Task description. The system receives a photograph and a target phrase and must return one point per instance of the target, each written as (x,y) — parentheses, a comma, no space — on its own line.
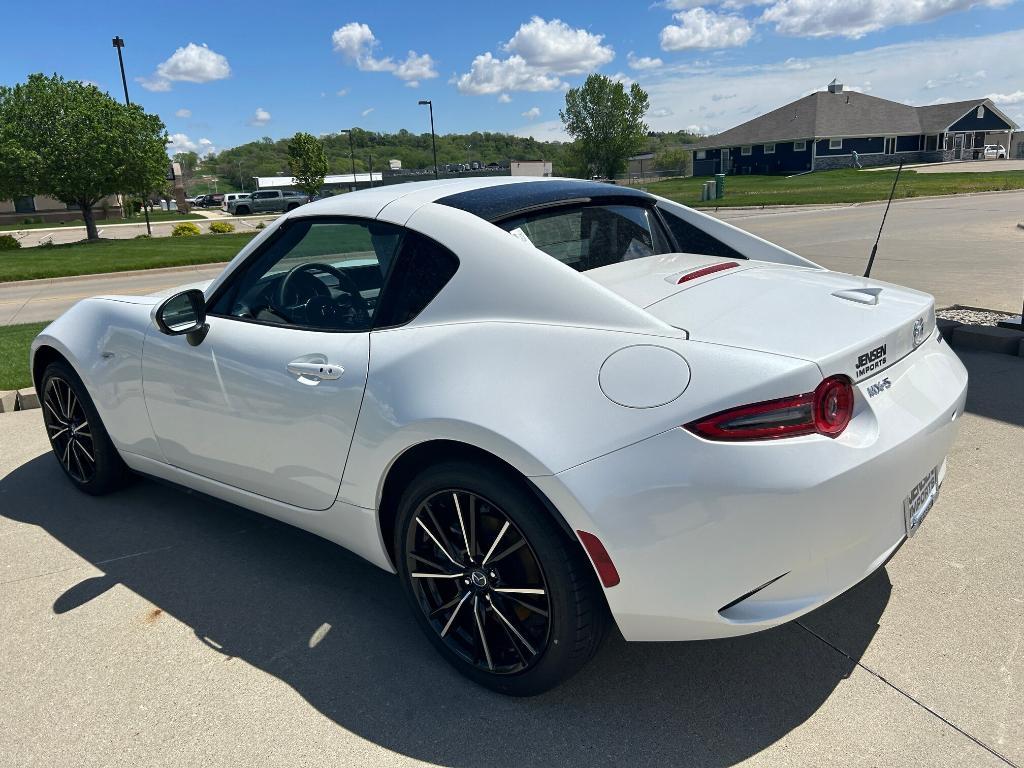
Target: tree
(606,122)
(308,161)
(71,141)
(673,159)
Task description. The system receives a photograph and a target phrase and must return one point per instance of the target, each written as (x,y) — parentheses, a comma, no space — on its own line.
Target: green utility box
(719,185)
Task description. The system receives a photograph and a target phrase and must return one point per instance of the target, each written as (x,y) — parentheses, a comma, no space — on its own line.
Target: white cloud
(540,53)
(642,62)
(367,111)
(488,75)
(856,18)
(416,67)
(341,92)
(191,64)
(956,78)
(183,113)
(356,42)
(556,47)
(180,142)
(743,92)
(663,112)
(259,117)
(1017,97)
(548,130)
(701,28)
(622,77)
(532,113)
(504,98)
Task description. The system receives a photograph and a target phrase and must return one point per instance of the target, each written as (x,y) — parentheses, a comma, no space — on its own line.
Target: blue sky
(230,73)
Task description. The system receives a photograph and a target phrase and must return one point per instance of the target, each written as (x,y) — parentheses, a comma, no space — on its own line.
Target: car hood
(845,324)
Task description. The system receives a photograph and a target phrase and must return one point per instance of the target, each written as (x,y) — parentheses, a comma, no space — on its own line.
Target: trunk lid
(845,324)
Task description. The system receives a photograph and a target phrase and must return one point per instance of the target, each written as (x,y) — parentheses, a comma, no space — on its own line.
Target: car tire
(77,436)
(484,615)
(241,211)
(291,207)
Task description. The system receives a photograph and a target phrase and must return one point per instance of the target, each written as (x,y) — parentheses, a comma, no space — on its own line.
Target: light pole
(371,170)
(351,154)
(433,139)
(118,42)
(241,178)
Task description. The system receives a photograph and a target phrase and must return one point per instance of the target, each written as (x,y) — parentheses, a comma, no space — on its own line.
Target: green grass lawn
(154,216)
(85,258)
(14,344)
(845,186)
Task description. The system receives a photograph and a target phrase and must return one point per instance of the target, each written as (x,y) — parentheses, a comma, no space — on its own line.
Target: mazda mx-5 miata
(546,404)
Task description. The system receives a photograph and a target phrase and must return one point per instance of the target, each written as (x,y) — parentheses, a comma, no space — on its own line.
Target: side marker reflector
(600,558)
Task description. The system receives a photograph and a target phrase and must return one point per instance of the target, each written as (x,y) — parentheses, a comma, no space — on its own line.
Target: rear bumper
(693,525)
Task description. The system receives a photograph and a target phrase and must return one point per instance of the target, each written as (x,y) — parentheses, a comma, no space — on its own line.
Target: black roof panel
(505,200)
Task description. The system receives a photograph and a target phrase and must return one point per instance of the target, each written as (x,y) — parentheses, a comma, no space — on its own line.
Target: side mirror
(182,314)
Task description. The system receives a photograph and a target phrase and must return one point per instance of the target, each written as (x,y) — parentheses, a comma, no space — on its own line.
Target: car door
(267,401)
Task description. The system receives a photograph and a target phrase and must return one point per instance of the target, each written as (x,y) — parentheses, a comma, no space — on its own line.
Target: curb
(984,338)
(19,400)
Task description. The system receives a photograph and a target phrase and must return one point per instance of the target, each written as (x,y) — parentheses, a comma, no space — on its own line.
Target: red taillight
(606,570)
(705,271)
(825,411)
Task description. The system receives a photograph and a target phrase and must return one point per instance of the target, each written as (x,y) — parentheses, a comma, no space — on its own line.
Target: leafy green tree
(606,121)
(71,141)
(673,159)
(308,162)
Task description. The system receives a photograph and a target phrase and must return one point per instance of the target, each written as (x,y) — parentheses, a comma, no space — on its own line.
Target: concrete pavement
(157,627)
(31,301)
(29,238)
(962,249)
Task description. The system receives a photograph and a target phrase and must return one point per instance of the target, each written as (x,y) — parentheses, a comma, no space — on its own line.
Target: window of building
(799,146)
(700,154)
(746,150)
(24,205)
(835,143)
(769,149)
(890,145)
(981,112)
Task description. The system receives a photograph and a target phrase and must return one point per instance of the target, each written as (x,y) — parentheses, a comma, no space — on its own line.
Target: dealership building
(823,130)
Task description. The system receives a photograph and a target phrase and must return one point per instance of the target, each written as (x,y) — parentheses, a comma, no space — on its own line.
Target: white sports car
(546,404)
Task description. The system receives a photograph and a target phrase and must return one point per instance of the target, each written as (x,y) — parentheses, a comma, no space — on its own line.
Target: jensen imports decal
(870,361)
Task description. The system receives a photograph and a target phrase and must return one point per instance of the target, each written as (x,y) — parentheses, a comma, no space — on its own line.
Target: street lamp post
(118,42)
(371,170)
(241,178)
(433,139)
(351,154)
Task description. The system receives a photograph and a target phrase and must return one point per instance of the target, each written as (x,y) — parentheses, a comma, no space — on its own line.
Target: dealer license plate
(920,501)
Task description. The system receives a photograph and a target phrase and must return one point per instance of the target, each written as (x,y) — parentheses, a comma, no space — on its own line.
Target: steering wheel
(317,307)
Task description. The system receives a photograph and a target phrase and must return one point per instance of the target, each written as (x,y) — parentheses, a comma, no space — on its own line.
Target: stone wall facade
(830,163)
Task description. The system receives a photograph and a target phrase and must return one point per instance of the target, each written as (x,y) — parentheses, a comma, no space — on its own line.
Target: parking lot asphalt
(964,249)
(159,627)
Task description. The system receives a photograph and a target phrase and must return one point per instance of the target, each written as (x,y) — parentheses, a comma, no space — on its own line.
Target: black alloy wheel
(79,440)
(503,592)
(478,581)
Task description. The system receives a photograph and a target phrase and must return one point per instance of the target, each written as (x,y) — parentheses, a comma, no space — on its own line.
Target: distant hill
(269,157)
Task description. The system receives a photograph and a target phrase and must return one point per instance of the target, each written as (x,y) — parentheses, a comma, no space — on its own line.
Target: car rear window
(591,236)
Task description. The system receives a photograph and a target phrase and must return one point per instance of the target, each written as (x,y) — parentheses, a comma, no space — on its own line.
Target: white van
(233,196)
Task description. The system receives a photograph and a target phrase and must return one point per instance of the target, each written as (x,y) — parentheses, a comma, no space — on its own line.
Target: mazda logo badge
(479,580)
(918,331)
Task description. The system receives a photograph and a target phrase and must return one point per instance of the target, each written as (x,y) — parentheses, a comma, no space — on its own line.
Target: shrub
(185,229)
(221,227)
(143,236)
(8,243)
(261,225)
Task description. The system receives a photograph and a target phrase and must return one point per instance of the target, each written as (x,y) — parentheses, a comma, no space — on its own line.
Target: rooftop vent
(835,86)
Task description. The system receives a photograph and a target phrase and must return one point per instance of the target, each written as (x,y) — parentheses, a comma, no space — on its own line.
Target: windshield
(592,236)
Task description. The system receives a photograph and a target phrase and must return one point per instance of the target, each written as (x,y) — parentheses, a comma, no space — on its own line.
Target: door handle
(311,373)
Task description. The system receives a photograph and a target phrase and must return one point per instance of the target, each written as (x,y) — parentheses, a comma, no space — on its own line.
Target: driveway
(158,627)
(960,166)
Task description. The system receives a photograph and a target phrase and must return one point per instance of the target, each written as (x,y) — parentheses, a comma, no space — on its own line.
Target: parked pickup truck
(267,201)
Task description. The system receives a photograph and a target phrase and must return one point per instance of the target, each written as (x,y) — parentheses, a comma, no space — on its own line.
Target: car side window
(324,274)
(592,236)
(692,239)
(422,269)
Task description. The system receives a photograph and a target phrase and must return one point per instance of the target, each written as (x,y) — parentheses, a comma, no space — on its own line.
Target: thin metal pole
(874,248)
(352,154)
(433,138)
(371,170)
(119,44)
